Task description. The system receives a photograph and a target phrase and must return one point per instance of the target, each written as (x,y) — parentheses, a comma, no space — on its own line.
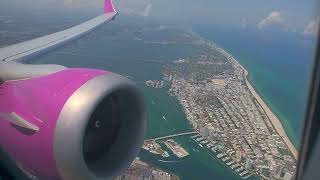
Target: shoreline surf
(272,116)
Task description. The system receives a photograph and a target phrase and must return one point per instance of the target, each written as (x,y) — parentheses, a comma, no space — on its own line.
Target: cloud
(69,3)
(274,17)
(312,27)
(83,3)
(244,22)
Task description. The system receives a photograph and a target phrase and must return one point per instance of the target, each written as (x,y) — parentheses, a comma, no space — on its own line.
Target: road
(171,136)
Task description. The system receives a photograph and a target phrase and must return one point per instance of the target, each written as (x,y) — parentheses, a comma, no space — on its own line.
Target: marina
(223,156)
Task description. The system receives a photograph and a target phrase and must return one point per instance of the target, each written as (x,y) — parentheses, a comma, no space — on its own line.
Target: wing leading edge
(28,49)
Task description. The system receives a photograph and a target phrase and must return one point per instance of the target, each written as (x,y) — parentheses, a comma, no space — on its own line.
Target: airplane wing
(49,113)
(28,49)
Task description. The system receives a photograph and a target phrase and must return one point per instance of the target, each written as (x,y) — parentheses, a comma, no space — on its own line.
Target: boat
(165,154)
(164,117)
(195,150)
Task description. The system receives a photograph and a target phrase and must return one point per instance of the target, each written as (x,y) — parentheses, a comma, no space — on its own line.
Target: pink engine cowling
(71,124)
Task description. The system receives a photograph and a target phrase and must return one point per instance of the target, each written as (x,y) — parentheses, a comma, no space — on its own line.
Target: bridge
(171,136)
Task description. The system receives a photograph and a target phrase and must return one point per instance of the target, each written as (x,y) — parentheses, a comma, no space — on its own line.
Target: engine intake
(108,133)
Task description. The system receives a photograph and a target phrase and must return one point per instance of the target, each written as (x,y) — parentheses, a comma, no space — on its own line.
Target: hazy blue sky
(285,15)
(288,14)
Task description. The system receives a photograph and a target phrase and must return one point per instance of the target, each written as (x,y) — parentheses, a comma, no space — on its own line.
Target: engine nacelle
(72,124)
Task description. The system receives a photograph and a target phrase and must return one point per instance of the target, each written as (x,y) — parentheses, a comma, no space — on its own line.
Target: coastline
(274,120)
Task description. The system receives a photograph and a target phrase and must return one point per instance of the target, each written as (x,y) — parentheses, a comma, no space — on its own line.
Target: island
(153,147)
(142,170)
(176,148)
(233,121)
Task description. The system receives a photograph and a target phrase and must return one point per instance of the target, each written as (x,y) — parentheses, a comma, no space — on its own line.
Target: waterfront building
(287,176)
(238,156)
(249,164)
(265,171)
(279,172)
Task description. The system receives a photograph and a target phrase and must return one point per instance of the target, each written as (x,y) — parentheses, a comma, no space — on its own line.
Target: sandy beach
(272,117)
(274,120)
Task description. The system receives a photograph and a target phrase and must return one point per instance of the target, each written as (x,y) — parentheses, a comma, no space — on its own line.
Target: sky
(285,15)
(297,16)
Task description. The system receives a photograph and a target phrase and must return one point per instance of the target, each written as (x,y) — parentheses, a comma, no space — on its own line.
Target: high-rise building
(265,171)
(249,164)
(238,155)
(287,176)
(205,132)
(279,172)
(208,130)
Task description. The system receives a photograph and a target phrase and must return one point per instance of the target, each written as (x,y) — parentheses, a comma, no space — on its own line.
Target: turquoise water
(279,66)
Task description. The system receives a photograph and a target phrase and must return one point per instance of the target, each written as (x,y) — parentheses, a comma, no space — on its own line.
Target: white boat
(195,150)
(165,154)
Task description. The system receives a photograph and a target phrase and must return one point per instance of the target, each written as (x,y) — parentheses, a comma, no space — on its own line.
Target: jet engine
(61,123)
